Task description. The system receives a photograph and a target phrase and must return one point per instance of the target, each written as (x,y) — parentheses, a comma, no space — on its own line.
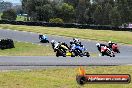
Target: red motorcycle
(107,51)
(115,48)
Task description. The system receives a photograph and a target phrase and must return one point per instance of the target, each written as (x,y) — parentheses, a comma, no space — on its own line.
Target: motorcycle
(43,40)
(106,51)
(61,51)
(79,51)
(115,48)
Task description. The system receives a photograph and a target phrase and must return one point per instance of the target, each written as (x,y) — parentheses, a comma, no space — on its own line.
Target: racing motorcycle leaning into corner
(113,46)
(105,50)
(43,39)
(78,50)
(60,48)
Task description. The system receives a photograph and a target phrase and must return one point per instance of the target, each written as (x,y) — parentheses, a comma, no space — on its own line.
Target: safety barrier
(6,44)
(66,25)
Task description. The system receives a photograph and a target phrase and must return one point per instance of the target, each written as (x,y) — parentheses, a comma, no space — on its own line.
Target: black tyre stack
(6,44)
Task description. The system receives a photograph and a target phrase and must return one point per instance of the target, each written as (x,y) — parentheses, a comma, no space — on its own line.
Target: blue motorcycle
(43,39)
(79,50)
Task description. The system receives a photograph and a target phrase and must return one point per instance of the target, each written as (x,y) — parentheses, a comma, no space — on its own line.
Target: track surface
(125,57)
(33,62)
(33,38)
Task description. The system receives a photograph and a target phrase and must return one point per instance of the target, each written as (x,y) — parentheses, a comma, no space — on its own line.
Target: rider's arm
(43,37)
(40,37)
(99,48)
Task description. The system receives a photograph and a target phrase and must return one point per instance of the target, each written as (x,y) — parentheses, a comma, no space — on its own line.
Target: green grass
(59,78)
(20,18)
(100,35)
(27,49)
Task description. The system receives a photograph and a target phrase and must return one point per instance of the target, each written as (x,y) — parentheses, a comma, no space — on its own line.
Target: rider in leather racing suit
(100,45)
(110,43)
(75,42)
(55,44)
(42,37)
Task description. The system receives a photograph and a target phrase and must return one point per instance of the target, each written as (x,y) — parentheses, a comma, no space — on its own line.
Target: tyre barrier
(66,25)
(6,44)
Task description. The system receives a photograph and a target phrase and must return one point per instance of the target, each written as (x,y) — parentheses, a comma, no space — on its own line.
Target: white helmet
(109,42)
(52,41)
(98,44)
(71,40)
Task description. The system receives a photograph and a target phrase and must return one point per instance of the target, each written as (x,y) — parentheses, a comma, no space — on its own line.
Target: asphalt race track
(125,57)
(40,61)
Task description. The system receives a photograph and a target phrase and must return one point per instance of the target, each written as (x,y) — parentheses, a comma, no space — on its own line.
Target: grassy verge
(20,18)
(27,49)
(101,35)
(59,78)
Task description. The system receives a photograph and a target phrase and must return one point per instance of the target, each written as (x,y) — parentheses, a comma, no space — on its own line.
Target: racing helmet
(98,44)
(71,42)
(52,41)
(73,38)
(110,42)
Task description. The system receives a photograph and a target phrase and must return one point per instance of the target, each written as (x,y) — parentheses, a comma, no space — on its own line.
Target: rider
(42,37)
(110,43)
(100,45)
(55,44)
(76,42)
(72,46)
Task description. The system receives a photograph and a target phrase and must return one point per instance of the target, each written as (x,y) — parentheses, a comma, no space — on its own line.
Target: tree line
(98,12)
(5,5)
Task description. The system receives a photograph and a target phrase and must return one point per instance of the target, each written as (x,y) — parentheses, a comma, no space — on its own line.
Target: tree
(106,11)
(67,12)
(29,7)
(40,10)
(44,13)
(18,9)
(5,5)
(115,17)
(88,13)
(101,14)
(98,15)
(80,10)
(124,8)
(9,14)
(74,3)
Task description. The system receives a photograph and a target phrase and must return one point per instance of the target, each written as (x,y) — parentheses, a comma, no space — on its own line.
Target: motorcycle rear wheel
(86,54)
